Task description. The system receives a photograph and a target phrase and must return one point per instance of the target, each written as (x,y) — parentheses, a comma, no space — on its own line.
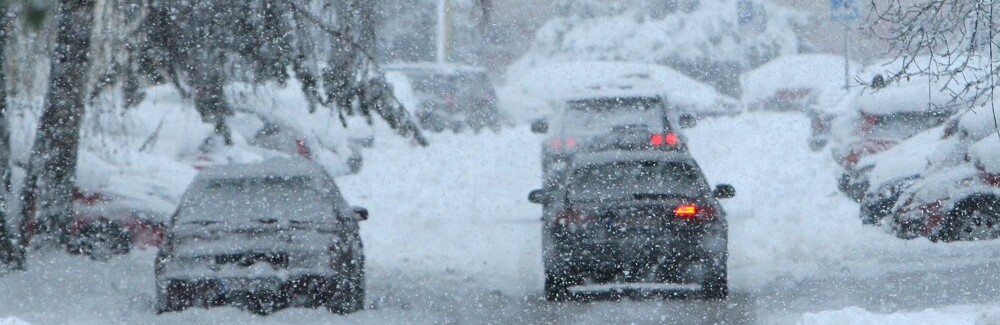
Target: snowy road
(453,240)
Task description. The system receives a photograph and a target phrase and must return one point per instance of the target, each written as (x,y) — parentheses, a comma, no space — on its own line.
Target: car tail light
(670,139)
(303,148)
(692,212)
(570,218)
(990,179)
(564,143)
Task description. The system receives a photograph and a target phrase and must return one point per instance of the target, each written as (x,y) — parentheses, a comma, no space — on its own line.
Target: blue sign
(844,11)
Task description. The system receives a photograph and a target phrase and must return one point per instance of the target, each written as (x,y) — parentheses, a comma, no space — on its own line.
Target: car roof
(281,167)
(437,67)
(605,157)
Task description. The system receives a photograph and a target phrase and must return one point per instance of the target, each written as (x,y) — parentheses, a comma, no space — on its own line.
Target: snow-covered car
(959,203)
(106,224)
(263,236)
(799,82)
(446,96)
(643,221)
(268,133)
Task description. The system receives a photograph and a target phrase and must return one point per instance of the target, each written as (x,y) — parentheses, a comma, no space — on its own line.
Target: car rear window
(623,179)
(598,116)
(265,198)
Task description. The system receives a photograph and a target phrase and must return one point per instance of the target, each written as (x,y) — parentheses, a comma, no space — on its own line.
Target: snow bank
(952,315)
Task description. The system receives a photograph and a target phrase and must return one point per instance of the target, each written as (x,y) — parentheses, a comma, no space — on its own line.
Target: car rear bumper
(298,291)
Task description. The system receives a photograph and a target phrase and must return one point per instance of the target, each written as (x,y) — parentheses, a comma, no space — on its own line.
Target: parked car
(263,236)
(798,82)
(634,221)
(447,96)
(106,224)
(959,203)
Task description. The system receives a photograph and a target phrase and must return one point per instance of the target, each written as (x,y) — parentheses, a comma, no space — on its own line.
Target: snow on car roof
(824,72)
(615,156)
(290,166)
(439,67)
(917,150)
(977,123)
(543,84)
(913,94)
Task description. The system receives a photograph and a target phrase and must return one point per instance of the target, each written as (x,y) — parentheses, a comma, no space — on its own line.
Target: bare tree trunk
(48,188)
(8,248)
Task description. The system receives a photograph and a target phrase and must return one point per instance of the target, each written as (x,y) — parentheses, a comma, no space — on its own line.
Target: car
(642,221)
(961,203)
(602,120)
(106,224)
(262,236)
(446,95)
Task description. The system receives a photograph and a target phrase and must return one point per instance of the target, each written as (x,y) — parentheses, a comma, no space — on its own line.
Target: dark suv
(634,221)
(262,236)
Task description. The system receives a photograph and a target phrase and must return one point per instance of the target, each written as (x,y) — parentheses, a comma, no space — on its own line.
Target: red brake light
(303,148)
(670,139)
(570,217)
(569,143)
(656,139)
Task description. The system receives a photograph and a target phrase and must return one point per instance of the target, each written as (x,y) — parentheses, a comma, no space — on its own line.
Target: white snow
(823,74)
(951,315)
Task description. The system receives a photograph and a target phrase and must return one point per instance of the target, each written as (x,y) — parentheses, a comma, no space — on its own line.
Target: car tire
(985,209)
(263,302)
(715,286)
(101,240)
(174,297)
(557,283)
(349,294)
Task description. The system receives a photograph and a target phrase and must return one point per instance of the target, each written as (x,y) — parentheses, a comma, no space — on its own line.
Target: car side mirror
(724,191)
(540,126)
(687,121)
(359,213)
(538,197)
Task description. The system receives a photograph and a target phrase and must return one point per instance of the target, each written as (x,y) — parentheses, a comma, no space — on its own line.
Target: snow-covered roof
(820,72)
(908,158)
(977,123)
(913,94)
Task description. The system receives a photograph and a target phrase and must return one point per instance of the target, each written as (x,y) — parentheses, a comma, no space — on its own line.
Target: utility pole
(444,31)
(847,56)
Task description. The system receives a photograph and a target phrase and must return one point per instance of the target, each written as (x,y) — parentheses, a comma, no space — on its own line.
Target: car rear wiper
(655,196)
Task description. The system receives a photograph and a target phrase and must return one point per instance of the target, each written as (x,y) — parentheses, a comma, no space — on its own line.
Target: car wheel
(263,302)
(349,293)
(971,220)
(716,282)
(176,296)
(101,240)
(557,283)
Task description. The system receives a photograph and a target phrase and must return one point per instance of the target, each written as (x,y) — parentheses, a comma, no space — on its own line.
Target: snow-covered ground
(452,239)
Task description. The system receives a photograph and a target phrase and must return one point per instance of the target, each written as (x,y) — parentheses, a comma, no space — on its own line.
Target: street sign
(845,11)
(745,11)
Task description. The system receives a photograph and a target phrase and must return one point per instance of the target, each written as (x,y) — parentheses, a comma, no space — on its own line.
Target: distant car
(447,96)
(959,203)
(798,82)
(634,221)
(602,122)
(262,236)
(283,138)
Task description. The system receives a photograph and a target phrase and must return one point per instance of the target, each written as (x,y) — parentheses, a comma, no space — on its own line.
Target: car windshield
(265,199)
(598,116)
(898,126)
(618,179)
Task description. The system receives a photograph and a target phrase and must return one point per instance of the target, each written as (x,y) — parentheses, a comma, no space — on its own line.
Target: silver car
(262,236)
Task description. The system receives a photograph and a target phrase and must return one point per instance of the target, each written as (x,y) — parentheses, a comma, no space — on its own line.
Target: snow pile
(652,31)
(952,315)
(986,153)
